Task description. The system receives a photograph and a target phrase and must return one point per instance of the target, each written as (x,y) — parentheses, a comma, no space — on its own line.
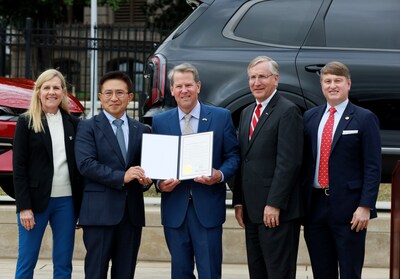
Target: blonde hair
(335,68)
(35,110)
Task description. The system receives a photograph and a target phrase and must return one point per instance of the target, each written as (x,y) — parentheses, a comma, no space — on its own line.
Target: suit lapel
(173,123)
(104,127)
(263,119)
(265,115)
(133,138)
(316,118)
(343,122)
(204,120)
(47,137)
(69,134)
(247,117)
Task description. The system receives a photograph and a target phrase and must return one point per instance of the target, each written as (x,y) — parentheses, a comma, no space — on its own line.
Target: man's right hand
(239,215)
(168,185)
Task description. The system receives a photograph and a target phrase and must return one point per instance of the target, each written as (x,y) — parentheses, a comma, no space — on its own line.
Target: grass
(385,192)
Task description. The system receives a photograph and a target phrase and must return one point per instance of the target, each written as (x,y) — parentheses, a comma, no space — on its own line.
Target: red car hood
(17,92)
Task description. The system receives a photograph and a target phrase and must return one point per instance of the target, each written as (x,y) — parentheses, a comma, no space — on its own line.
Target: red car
(15,97)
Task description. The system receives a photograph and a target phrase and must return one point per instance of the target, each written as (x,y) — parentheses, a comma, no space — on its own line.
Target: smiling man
(343,166)
(108,150)
(267,190)
(193,211)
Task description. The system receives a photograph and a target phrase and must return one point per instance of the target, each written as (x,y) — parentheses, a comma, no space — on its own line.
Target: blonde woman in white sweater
(46,180)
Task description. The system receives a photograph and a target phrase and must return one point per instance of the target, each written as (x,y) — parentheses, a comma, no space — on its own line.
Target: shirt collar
(112,118)
(194,113)
(265,103)
(339,108)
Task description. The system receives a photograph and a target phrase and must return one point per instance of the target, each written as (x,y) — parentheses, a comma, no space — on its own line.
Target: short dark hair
(117,75)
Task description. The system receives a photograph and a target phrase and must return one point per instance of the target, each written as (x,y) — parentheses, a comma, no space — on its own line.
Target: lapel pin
(347,118)
(70,137)
(204,119)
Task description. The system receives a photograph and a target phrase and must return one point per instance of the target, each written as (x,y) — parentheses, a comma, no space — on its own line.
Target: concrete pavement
(161,270)
(154,257)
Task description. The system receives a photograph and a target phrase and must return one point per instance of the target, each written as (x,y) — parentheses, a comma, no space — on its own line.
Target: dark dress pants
(119,243)
(333,247)
(272,252)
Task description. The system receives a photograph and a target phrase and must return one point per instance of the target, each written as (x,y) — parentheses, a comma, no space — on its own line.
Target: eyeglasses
(109,93)
(261,78)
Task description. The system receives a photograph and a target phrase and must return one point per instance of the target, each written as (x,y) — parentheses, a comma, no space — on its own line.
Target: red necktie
(325,149)
(254,120)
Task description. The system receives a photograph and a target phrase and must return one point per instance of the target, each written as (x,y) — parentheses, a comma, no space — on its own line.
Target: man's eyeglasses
(261,78)
(109,93)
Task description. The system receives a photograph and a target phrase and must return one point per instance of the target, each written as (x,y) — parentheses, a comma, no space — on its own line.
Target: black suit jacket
(271,161)
(33,164)
(100,161)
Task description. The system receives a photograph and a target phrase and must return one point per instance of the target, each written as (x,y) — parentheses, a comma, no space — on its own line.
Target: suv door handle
(314,68)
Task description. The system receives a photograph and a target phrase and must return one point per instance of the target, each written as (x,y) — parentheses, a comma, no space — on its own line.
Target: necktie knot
(187,128)
(187,117)
(332,110)
(120,136)
(118,122)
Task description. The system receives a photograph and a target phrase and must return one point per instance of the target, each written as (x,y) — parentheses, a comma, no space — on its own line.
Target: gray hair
(272,65)
(184,67)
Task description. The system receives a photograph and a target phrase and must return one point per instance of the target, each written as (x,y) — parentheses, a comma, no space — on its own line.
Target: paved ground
(161,270)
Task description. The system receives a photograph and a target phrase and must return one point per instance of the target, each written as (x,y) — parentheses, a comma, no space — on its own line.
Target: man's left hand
(360,218)
(216,177)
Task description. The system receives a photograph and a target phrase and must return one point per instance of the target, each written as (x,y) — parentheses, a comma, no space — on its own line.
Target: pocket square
(349,132)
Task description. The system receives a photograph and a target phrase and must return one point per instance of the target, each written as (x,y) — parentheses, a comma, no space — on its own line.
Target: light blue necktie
(120,136)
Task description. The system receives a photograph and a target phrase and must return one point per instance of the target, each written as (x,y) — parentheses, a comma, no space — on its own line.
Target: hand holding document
(178,157)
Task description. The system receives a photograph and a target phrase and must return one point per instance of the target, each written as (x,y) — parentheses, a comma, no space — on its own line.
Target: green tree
(166,14)
(57,11)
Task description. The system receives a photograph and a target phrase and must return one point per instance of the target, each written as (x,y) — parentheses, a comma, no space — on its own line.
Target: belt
(324,191)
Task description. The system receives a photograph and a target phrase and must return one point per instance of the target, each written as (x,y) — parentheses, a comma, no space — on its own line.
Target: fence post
(395,225)
(2,49)
(28,43)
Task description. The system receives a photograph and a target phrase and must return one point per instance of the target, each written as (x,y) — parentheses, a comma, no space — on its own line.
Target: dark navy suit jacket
(100,161)
(208,201)
(354,162)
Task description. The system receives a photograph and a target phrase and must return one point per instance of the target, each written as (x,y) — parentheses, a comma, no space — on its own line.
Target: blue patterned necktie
(120,136)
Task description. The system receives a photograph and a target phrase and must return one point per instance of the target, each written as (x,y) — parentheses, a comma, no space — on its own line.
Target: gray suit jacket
(271,161)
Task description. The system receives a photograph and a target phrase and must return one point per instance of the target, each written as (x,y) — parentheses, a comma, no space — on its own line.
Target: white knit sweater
(61,186)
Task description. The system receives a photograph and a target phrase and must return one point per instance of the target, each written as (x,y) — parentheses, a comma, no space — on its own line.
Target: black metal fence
(26,51)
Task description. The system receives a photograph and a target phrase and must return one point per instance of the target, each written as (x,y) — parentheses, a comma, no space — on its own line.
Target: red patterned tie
(325,149)
(254,120)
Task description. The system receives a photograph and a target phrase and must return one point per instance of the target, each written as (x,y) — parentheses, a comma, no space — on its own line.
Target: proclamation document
(195,155)
(178,157)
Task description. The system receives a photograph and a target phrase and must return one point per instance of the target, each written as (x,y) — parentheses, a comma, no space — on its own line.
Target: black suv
(220,37)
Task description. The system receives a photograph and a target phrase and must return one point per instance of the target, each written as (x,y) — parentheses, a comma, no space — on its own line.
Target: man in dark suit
(112,212)
(343,167)
(266,193)
(193,211)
